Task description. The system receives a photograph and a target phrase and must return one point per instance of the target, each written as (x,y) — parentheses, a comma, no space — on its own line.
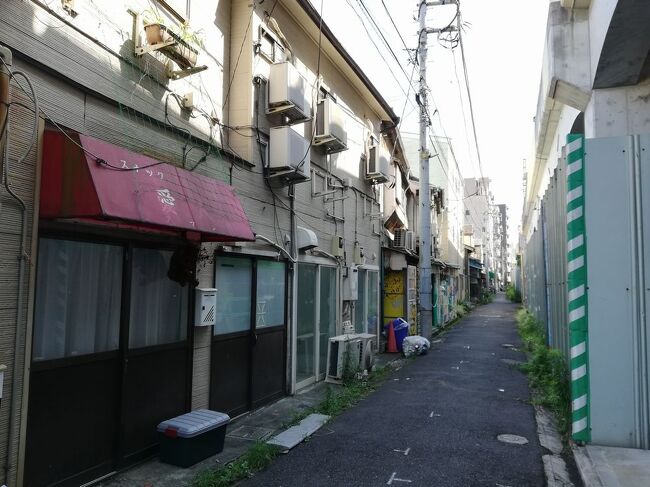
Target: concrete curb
(555,469)
(585,466)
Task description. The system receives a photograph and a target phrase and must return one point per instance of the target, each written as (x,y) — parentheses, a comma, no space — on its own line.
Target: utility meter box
(351,284)
(338,249)
(205,311)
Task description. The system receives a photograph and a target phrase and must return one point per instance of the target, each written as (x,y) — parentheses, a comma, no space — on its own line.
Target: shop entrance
(110,358)
(248,366)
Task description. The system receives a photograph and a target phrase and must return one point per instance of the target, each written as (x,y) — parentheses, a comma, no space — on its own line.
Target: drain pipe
(293,342)
(6,61)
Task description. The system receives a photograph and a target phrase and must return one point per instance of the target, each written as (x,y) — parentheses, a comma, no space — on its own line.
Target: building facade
(245,154)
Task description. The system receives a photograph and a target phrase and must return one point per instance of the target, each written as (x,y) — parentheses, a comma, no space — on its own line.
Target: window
(158,304)
(270,294)
(78,298)
(269,47)
(233,282)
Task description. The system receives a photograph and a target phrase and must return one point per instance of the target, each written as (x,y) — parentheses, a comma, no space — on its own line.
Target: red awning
(125,187)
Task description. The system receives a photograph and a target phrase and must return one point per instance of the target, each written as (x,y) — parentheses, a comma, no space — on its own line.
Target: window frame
(128,242)
(254,259)
(277,53)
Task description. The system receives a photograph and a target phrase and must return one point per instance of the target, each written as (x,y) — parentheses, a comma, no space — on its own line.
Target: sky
(503,44)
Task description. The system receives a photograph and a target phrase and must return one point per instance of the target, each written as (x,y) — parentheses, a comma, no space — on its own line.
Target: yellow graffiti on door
(394,295)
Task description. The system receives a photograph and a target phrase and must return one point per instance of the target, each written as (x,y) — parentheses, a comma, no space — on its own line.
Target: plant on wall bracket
(181,45)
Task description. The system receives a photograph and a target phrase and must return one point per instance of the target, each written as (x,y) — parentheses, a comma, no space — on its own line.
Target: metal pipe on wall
(22,255)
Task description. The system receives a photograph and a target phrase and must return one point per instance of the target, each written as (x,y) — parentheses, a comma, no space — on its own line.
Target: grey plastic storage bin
(192,437)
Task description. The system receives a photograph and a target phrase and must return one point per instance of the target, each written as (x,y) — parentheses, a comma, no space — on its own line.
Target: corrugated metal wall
(544,263)
(554,222)
(534,274)
(617,236)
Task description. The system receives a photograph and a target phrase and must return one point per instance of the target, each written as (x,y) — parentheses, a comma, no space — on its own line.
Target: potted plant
(181,52)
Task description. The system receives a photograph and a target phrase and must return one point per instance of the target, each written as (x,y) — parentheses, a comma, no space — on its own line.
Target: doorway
(317,320)
(110,358)
(248,366)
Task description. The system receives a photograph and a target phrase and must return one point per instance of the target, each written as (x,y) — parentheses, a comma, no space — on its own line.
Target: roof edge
(313,14)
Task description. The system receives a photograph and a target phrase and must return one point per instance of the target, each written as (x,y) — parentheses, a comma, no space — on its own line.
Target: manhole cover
(512,439)
(250,433)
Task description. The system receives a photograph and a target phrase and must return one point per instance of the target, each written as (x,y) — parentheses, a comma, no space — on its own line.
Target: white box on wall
(205,311)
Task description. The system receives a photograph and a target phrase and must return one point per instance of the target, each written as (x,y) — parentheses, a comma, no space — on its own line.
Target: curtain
(158,304)
(78,298)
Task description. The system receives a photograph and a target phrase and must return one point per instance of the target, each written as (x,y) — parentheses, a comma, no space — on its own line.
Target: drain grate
(512,439)
(250,433)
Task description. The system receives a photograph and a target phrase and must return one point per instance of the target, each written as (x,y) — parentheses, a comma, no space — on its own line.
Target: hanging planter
(178,50)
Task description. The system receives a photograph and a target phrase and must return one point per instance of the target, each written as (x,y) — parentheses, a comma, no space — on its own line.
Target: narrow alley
(435,422)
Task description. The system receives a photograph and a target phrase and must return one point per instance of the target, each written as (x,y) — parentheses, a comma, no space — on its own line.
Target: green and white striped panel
(577,287)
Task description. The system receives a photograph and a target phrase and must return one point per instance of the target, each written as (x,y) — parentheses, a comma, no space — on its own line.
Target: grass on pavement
(260,456)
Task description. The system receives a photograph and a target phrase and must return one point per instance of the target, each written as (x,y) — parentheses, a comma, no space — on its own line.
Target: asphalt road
(433,423)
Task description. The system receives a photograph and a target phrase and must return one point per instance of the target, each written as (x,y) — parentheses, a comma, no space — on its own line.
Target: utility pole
(424,264)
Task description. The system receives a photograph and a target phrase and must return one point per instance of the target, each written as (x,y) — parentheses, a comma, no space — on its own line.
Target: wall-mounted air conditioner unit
(288,153)
(330,127)
(399,242)
(288,92)
(376,163)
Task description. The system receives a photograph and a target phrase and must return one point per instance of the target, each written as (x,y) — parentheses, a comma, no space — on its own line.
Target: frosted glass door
(327,313)
(306,336)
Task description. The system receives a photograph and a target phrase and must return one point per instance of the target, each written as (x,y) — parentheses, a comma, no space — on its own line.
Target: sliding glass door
(366,307)
(317,319)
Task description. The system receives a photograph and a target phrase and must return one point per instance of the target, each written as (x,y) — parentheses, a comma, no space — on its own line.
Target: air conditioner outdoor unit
(376,163)
(330,127)
(288,153)
(288,92)
(349,353)
(399,242)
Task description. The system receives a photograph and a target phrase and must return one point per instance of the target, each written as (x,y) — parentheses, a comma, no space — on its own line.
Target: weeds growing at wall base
(254,460)
(513,294)
(547,372)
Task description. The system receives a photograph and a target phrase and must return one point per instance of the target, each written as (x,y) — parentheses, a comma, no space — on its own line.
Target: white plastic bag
(415,345)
